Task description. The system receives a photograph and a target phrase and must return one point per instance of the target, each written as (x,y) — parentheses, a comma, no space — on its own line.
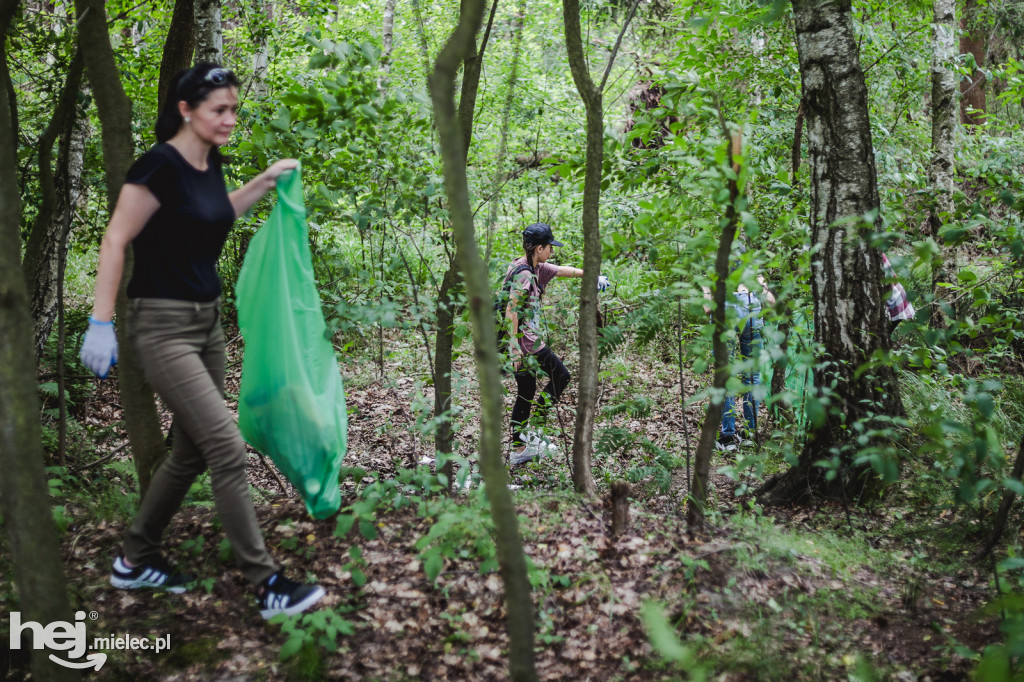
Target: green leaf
(1015,486)
(815,412)
(291,647)
(345,523)
(986,406)
(952,235)
(319,61)
(994,665)
(433,564)
(369,112)
(664,639)
(367,529)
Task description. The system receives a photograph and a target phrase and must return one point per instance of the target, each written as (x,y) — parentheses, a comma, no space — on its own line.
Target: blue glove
(99,348)
(602,283)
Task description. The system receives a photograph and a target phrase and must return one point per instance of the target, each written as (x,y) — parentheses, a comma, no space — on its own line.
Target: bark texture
(261,60)
(720,351)
(972,41)
(31,534)
(850,320)
(450,294)
(999,524)
(47,238)
(115,113)
(620,508)
(209,35)
(388,43)
(511,560)
(944,114)
(178,50)
(593,102)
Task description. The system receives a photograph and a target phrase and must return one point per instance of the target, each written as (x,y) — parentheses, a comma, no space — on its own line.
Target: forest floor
(802,594)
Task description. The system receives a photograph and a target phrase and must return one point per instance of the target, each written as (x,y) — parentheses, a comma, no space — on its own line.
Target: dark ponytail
(191,86)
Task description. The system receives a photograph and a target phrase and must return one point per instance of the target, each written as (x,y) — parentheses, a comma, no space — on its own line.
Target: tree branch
(618,41)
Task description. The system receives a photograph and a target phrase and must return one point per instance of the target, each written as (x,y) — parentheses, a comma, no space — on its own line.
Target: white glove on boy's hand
(602,283)
(99,348)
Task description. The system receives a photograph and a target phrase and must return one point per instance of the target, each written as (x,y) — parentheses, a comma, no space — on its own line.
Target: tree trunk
(209,36)
(9,8)
(619,499)
(179,47)
(850,319)
(451,284)
(261,60)
(941,168)
(447,300)
(42,253)
(511,560)
(115,110)
(388,41)
(720,351)
(591,94)
(31,534)
(999,524)
(972,41)
(421,31)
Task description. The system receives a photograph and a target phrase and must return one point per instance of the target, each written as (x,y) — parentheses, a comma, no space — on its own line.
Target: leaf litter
(587,614)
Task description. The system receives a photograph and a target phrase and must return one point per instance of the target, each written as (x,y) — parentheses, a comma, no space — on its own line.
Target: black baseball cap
(539,234)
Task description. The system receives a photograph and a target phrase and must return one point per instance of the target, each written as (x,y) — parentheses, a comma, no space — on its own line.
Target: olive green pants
(180,345)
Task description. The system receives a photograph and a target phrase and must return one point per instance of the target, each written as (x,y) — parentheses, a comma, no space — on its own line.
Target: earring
(188,119)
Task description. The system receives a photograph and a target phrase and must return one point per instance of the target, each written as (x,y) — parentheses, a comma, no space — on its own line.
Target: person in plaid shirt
(899,306)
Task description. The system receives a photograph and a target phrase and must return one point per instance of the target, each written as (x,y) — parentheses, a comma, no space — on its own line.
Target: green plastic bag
(291,405)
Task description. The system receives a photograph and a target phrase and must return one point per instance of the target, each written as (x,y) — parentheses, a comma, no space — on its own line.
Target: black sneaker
(278,594)
(156,574)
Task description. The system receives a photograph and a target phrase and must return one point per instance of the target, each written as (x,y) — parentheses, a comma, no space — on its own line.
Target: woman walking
(176,212)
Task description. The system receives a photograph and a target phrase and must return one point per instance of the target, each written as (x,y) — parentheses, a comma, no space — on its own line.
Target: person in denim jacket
(746,310)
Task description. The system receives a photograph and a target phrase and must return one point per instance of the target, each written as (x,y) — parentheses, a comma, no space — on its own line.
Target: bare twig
(618,41)
(273,472)
(110,455)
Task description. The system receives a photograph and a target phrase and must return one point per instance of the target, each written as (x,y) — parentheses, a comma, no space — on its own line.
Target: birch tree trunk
(209,36)
(261,60)
(31,534)
(850,320)
(115,114)
(388,41)
(511,560)
(944,113)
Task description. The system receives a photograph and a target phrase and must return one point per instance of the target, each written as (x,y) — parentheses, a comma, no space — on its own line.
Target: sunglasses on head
(218,76)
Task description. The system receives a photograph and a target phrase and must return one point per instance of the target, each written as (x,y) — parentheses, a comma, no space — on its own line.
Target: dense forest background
(869,530)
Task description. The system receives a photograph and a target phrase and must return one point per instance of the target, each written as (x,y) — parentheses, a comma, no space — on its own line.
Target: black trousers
(526,383)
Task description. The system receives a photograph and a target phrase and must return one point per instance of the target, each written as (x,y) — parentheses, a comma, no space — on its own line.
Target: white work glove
(99,348)
(602,283)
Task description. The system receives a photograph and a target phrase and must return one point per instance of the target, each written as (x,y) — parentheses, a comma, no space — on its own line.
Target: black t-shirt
(176,253)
